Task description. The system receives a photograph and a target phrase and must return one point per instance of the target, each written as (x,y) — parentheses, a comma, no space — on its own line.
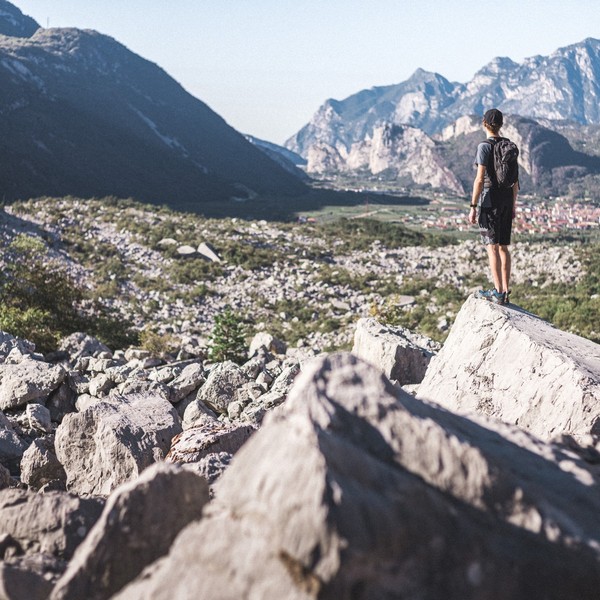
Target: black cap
(493,117)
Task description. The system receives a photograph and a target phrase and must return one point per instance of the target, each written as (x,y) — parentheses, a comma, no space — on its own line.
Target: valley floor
(307,283)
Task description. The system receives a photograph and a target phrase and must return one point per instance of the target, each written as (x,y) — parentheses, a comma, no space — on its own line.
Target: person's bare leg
(504,267)
(495,265)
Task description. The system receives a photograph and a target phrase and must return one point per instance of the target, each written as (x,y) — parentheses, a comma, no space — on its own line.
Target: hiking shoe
(492,296)
(507,297)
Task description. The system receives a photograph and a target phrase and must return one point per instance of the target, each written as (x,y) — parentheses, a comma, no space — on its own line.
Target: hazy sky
(267,65)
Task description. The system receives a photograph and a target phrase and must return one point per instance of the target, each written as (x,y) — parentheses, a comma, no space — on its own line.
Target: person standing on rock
(495,191)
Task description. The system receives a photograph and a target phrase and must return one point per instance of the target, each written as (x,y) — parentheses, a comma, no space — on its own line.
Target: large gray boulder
(10,343)
(80,345)
(353,489)
(222,386)
(506,363)
(112,441)
(39,464)
(38,417)
(11,445)
(189,380)
(267,341)
(54,523)
(139,522)
(399,354)
(212,437)
(28,380)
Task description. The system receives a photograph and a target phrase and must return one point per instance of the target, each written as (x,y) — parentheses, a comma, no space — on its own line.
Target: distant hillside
(289,160)
(82,115)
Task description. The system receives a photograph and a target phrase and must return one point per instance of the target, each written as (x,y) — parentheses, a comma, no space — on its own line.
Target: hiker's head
(493,120)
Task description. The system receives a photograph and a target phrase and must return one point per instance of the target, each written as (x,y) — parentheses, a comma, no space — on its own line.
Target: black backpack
(505,171)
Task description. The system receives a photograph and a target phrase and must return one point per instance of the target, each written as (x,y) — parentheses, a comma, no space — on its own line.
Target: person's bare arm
(477,189)
(515,190)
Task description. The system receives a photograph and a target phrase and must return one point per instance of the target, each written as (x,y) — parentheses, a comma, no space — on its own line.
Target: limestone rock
(186,250)
(9,342)
(84,401)
(5,479)
(221,386)
(211,437)
(39,464)
(255,411)
(136,354)
(54,523)
(208,251)
(195,413)
(266,340)
(144,387)
(353,489)
(80,345)
(112,441)
(29,577)
(211,467)
(28,380)
(398,353)
(100,385)
(98,364)
(62,402)
(257,365)
(11,445)
(39,417)
(167,242)
(508,364)
(139,522)
(190,379)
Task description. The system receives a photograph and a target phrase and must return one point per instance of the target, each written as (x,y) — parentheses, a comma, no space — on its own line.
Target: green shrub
(41,302)
(359,234)
(158,344)
(424,314)
(32,324)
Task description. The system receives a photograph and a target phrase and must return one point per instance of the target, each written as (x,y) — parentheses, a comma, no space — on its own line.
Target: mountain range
(424,130)
(82,115)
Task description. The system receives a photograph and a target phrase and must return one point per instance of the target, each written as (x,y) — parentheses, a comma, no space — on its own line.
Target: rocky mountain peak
(496,66)
(14,23)
(422,77)
(561,87)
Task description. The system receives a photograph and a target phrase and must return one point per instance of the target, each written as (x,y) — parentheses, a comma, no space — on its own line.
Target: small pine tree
(228,338)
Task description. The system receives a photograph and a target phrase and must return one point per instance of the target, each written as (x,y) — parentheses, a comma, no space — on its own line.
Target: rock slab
(508,364)
(54,523)
(112,441)
(28,380)
(401,355)
(355,490)
(139,522)
(11,445)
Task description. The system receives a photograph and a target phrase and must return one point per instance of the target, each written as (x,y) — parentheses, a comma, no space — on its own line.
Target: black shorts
(495,224)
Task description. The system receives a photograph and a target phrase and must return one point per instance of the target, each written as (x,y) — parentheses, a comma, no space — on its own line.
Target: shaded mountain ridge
(80,114)
(14,23)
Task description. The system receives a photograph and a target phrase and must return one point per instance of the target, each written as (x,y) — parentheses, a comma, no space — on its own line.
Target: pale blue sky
(267,65)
